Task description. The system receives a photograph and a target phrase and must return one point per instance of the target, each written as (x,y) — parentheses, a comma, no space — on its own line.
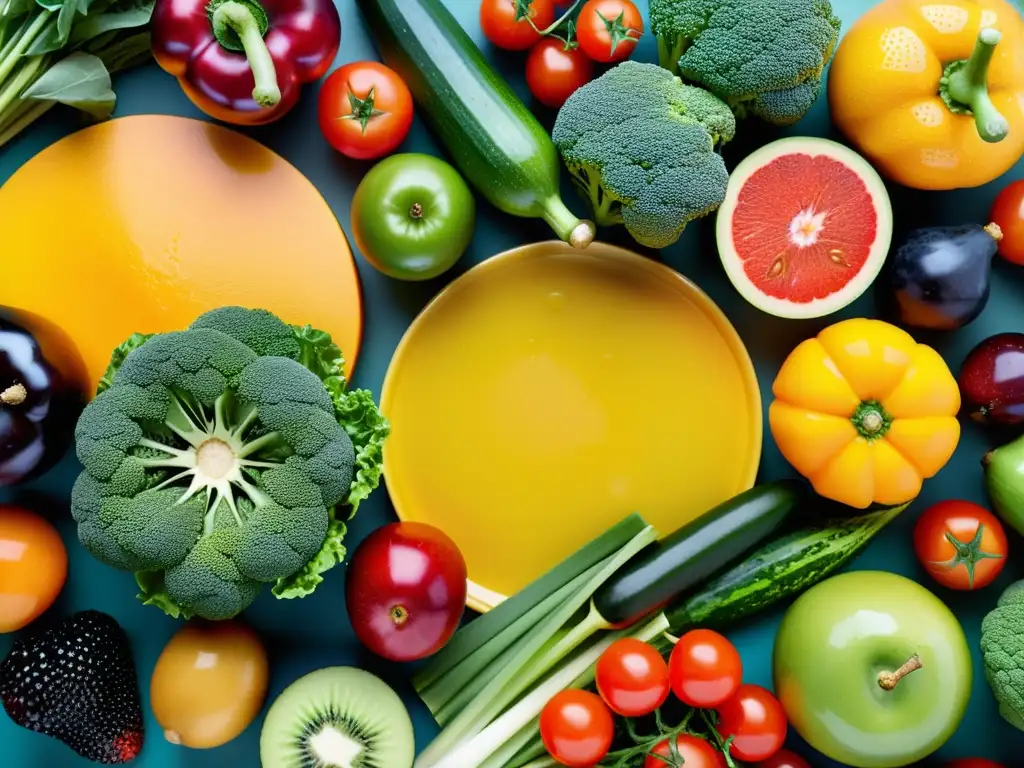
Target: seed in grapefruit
(805,227)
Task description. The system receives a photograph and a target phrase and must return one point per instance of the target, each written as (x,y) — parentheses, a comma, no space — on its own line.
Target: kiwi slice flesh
(338,717)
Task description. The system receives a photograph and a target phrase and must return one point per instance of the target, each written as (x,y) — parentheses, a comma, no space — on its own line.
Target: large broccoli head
(214,460)
(641,146)
(762,57)
(1002,648)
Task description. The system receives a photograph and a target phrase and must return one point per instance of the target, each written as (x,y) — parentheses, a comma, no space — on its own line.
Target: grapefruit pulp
(805,227)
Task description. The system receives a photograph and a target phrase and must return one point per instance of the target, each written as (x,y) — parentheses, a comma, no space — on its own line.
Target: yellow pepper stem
(964,88)
(871,420)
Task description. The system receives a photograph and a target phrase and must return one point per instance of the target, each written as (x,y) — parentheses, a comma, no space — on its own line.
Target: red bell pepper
(243,61)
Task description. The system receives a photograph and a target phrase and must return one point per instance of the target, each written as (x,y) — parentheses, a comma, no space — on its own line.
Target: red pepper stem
(240,18)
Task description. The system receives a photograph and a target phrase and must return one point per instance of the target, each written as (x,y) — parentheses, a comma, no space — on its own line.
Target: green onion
(474,752)
(545,647)
(482,630)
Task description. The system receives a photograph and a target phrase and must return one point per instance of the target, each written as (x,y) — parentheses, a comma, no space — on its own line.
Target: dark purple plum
(992,380)
(939,277)
(38,408)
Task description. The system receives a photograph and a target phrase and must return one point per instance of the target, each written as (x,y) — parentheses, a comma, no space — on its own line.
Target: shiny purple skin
(992,380)
(34,432)
(303,37)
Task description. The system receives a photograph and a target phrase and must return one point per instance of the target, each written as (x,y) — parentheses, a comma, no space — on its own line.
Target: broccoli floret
(641,146)
(1002,648)
(762,57)
(212,463)
(261,331)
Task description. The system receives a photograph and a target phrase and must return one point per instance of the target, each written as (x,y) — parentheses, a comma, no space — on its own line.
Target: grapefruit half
(805,227)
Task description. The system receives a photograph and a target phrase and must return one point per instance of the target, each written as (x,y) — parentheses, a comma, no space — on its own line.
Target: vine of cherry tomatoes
(705,672)
(604,32)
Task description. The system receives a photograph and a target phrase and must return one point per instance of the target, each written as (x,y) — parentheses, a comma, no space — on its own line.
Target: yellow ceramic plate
(547,393)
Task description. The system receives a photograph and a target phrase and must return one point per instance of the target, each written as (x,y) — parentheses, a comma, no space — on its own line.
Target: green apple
(872,669)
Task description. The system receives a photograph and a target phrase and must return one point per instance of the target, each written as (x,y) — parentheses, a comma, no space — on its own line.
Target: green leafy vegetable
(64,52)
(1002,648)
(218,458)
(640,146)
(762,57)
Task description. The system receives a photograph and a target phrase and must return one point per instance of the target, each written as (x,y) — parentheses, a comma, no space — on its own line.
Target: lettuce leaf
(154,592)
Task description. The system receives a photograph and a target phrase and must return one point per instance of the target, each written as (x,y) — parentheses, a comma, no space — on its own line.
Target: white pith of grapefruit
(805,227)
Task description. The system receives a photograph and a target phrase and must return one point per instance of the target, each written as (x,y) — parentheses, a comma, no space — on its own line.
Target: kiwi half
(338,717)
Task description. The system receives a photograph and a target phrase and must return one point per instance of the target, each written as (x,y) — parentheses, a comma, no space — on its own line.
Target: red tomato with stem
(632,678)
(1008,213)
(405,590)
(785,759)
(755,720)
(961,544)
(609,29)
(555,70)
(365,110)
(506,23)
(576,728)
(704,669)
(691,752)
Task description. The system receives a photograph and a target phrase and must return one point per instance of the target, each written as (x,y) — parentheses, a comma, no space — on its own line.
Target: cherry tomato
(608,29)
(505,22)
(756,721)
(554,72)
(632,678)
(405,590)
(1008,213)
(960,544)
(576,728)
(704,669)
(694,752)
(786,759)
(33,567)
(365,110)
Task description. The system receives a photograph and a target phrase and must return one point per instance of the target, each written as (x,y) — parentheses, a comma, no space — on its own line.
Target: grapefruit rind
(879,250)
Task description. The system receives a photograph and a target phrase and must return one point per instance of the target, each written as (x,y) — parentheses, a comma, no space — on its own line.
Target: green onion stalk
(64,52)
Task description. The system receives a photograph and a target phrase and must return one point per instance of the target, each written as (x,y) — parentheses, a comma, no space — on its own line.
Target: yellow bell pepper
(865,413)
(932,91)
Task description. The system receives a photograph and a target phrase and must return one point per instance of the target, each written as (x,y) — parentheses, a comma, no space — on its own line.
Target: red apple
(992,380)
(405,590)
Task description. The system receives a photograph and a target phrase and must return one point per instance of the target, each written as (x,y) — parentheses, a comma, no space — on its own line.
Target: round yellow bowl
(547,393)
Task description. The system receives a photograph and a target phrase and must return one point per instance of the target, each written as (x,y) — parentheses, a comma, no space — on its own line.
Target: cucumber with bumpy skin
(494,139)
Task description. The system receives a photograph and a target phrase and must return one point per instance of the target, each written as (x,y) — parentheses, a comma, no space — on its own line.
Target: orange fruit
(33,567)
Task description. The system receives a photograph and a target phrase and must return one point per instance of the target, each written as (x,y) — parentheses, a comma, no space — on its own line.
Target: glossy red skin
(961,519)
(973,762)
(695,752)
(756,721)
(786,759)
(499,25)
(705,669)
(632,678)
(593,34)
(992,380)
(303,37)
(554,73)
(384,132)
(577,728)
(1008,213)
(416,570)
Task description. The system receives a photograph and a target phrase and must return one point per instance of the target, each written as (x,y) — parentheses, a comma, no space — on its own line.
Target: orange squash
(143,223)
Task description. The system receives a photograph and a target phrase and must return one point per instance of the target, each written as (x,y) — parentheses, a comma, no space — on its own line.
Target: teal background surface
(308,634)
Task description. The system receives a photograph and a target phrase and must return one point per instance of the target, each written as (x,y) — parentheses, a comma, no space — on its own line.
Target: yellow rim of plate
(479,598)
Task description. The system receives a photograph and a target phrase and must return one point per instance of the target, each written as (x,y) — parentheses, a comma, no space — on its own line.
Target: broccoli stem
(964,88)
(669,55)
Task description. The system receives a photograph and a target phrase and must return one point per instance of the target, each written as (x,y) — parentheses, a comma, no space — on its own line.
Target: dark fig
(940,276)
(992,380)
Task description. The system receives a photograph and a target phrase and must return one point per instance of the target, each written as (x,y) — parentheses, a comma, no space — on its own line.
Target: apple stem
(14,395)
(889,680)
(399,615)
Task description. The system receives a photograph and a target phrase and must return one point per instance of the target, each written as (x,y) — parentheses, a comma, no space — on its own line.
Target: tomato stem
(889,680)
(968,554)
(16,394)
(557,23)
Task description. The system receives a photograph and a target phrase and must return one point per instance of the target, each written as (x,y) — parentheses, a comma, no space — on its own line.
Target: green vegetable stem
(216,459)
(64,53)
(964,88)
(762,57)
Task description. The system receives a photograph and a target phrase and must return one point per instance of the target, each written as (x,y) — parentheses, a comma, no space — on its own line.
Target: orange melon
(143,223)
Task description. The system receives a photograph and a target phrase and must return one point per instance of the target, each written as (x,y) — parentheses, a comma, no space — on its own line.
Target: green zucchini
(782,568)
(695,552)
(495,141)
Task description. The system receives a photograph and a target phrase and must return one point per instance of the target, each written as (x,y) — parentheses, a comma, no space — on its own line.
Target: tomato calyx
(363,109)
(617,31)
(871,420)
(968,554)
